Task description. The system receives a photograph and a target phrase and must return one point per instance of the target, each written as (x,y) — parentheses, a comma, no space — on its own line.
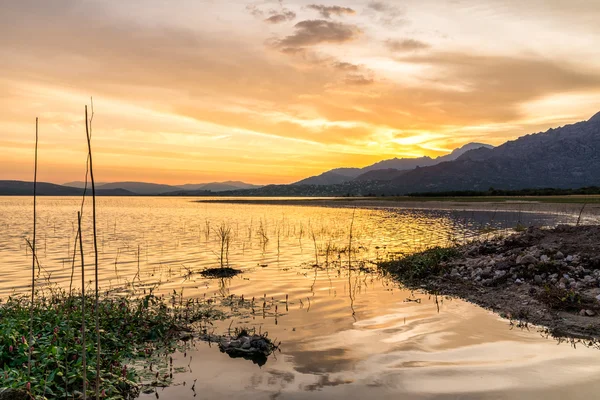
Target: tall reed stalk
(30,343)
(88,130)
(83,343)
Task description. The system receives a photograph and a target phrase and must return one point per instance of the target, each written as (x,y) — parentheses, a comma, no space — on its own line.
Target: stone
(538,279)
(569,258)
(519,282)
(559,255)
(590,313)
(544,258)
(598,297)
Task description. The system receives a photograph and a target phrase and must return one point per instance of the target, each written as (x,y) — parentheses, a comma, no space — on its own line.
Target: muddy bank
(547,277)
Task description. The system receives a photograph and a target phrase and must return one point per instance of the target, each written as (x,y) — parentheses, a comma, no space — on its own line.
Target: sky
(274,91)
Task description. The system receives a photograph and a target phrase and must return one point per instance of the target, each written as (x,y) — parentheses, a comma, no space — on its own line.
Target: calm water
(346,332)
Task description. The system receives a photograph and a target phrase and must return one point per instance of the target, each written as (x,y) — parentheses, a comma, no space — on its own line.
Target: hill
(560,158)
(21,188)
(565,157)
(342,175)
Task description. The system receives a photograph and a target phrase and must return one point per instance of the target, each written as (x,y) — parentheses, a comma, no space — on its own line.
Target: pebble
(518,282)
(569,258)
(538,279)
(544,258)
(559,256)
(526,259)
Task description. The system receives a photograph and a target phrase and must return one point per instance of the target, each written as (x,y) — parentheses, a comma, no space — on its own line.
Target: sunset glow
(275,91)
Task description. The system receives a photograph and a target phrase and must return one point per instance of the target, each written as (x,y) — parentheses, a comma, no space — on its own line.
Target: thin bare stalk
(33,258)
(96,308)
(83,344)
(580,213)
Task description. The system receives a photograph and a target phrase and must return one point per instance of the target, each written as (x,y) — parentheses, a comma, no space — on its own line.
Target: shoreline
(590,209)
(544,277)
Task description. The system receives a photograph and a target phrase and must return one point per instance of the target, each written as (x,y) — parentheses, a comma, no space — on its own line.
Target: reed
(33,259)
(88,132)
(224,235)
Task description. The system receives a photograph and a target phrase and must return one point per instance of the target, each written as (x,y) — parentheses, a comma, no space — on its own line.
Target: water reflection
(346,331)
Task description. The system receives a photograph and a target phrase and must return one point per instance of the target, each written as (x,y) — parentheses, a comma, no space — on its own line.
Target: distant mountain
(144,188)
(380,175)
(562,158)
(566,157)
(341,175)
(81,185)
(140,187)
(21,188)
(333,177)
(219,186)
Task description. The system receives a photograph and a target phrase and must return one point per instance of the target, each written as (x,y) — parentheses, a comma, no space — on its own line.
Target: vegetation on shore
(590,190)
(133,329)
(417,266)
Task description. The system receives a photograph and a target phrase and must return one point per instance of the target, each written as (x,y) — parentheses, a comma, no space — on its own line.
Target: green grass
(133,328)
(420,265)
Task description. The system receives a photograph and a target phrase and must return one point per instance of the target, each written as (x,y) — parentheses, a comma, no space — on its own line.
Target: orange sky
(274,91)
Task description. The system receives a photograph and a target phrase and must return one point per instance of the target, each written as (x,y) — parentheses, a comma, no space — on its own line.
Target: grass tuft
(420,265)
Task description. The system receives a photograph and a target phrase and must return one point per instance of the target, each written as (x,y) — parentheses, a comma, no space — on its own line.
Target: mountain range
(564,157)
(386,169)
(144,188)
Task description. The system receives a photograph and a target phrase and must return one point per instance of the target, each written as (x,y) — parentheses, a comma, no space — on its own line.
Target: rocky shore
(547,277)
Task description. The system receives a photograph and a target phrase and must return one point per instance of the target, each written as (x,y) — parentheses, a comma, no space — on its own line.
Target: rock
(519,282)
(538,279)
(559,255)
(544,258)
(487,272)
(569,258)
(590,313)
(582,313)
(598,297)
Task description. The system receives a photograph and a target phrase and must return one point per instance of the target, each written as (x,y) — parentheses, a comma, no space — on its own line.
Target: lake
(346,330)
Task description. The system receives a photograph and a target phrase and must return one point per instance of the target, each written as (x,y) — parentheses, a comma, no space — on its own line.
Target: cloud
(283,16)
(358,79)
(379,6)
(405,45)
(345,66)
(313,32)
(255,11)
(328,11)
(386,13)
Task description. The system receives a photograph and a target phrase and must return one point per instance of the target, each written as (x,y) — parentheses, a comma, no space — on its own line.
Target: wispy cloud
(345,66)
(314,32)
(283,16)
(386,13)
(405,45)
(328,11)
